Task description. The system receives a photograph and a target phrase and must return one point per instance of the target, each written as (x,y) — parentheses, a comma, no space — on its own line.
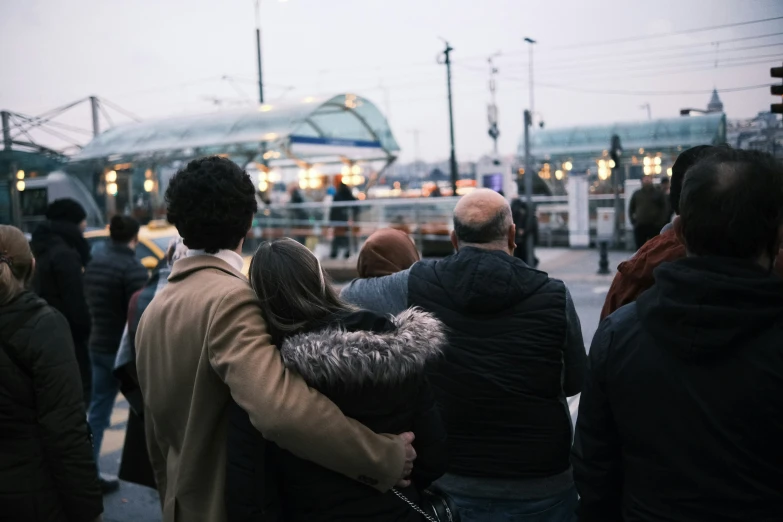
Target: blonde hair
(16,263)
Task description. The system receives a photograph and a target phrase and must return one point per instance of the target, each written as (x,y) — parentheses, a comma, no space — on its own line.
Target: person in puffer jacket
(370,366)
(47,473)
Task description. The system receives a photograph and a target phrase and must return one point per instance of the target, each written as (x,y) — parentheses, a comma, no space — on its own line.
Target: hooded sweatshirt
(680,414)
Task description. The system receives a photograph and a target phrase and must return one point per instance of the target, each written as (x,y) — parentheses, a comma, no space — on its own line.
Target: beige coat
(200,342)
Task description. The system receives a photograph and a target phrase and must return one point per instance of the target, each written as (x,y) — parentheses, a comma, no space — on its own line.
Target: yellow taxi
(154,239)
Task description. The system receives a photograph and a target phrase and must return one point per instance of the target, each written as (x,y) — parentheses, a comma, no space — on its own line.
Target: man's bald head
(483,218)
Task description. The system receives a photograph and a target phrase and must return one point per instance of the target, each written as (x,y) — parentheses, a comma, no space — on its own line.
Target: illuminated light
(603,174)
(345,170)
(20,185)
(265,108)
(647,162)
(647,170)
(602,164)
(361,196)
(521,171)
(19,174)
(269,154)
(263,186)
(309,99)
(356,169)
(568,165)
(657,160)
(269,136)
(350,101)
(669,172)
(559,174)
(358,180)
(303,184)
(111,176)
(302,173)
(658,169)
(641,151)
(148,185)
(611,164)
(396,184)
(274,176)
(111,188)
(312,173)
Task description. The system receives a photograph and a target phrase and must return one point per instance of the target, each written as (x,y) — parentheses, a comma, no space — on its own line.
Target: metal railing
(427,220)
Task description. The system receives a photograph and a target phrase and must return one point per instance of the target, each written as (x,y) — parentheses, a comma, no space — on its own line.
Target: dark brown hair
(16,263)
(294,291)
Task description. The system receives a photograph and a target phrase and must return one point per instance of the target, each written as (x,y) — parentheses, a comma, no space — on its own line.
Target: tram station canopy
(342,128)
(661,135)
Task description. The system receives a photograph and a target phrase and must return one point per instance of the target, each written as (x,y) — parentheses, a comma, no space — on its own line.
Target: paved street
(576,267)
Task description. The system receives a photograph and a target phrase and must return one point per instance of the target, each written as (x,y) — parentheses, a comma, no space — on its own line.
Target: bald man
(515,354)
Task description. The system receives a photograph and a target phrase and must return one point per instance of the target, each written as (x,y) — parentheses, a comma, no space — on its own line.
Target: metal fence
(427,220)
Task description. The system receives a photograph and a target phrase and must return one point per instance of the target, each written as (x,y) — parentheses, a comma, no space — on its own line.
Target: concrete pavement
(577,268)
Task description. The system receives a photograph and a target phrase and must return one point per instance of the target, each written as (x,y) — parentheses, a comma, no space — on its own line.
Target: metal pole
(6,117)
(96,122)
(453,157)
(530,58)
(258,52)
(529,191)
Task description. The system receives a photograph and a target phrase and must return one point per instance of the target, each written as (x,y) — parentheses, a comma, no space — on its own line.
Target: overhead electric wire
(650,93)
(664,35)
(120,109)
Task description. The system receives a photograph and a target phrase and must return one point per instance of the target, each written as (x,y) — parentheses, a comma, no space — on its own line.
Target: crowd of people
(424,389)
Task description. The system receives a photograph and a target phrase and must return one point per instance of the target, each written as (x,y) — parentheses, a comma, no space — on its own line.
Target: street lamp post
(258,50)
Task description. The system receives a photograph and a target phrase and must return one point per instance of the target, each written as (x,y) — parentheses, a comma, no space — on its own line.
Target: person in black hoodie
(47,473)
(61,253)
(110,280)
(371,366)
(680,415)
(515,353)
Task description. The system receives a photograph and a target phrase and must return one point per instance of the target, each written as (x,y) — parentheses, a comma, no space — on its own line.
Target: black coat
(110,280)
(61,253)
(343,213)
(680,418)
(515,351)
(373,369)
(47,472)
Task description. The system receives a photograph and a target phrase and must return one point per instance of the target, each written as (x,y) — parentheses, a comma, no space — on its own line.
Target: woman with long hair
(371,366)
(47,472)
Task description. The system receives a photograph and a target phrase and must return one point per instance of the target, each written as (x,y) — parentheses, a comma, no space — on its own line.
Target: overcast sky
(163,57)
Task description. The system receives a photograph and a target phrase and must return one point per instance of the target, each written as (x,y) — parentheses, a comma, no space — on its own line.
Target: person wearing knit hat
(387,252)
(61,253)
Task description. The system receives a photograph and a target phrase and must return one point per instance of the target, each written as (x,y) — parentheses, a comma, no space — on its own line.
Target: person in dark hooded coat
(61,253)
(371,366)
(679,418)
(47,472)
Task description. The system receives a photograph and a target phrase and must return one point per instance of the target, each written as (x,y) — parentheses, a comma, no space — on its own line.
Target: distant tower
(715,104)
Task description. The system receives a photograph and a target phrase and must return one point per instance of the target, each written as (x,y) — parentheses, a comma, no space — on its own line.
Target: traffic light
(776,90)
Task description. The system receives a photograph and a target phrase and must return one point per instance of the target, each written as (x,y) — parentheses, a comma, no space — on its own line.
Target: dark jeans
(557,508)
(644,233)
(105,388)
(340,242)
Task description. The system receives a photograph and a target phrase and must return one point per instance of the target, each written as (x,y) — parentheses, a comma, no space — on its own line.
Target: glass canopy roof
(658,135)
(345,126)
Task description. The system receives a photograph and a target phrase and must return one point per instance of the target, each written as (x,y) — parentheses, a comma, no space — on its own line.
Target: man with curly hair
(203,341)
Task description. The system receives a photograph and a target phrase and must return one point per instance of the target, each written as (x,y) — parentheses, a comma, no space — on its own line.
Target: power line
(664,35)
(651,93)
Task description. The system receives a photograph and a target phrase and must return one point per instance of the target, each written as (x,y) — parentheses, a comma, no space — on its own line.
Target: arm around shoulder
(284,409)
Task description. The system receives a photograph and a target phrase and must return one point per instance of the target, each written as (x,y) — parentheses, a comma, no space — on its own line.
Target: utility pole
(96,122)
(531,42)
(649,110)
(258,52)
(492,110)
(529,192)
(453,159)
(616,153)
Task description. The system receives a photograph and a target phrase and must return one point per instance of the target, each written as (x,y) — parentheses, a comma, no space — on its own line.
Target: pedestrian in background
(111,278)
(297,215)
(61,253)
(514,355)
(203,342)
(135,461)
(665,187)
(377,379)
(648,204)
(47,471)
(386,252)
(526,224)
(345,215)
(679,418)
